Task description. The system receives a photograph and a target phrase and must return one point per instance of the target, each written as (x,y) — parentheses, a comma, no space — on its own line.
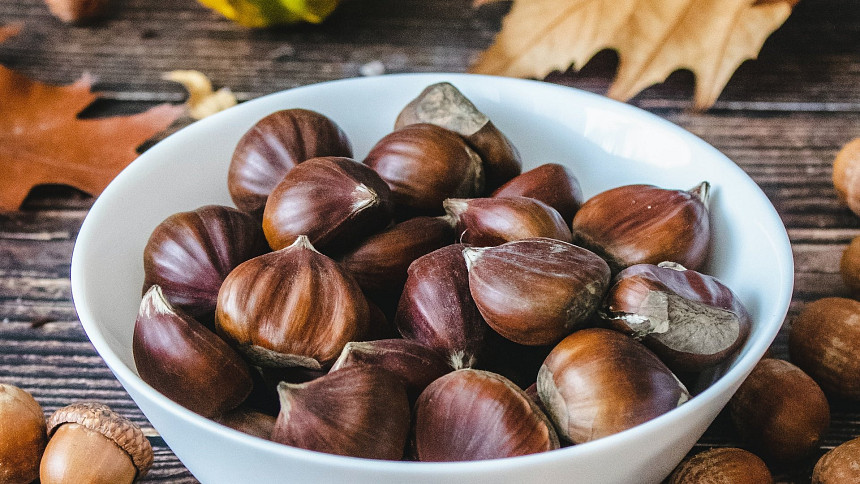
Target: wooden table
(782,118)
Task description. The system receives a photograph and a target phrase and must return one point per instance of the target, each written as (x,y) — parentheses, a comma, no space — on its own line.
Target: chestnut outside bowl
(604,143)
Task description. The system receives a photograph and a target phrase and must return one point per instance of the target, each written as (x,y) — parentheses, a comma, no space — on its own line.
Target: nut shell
(423,165)
(274,146)
(726,465)
(823,342)
(334,201)
(644,224)
(23,438)
(597,382)
(849,266)
(781,411)
(536,291)
(473,415)
(841,465)
(493,221)
(846,175)
(552,184)
(100,418)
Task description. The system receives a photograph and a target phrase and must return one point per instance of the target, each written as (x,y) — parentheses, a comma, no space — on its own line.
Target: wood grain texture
(782,118)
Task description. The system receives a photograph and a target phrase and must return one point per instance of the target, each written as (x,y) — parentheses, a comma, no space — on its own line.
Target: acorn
(552,184)
(274,146)
(444,105)
(436,308)
(644,224)
(598,382)
(536,291)
(190,253)
(473,415)
(493,221)
(291,307)
(423,165)
(690,320)
(357,411)
(23,437)
(335,202)
(186,362)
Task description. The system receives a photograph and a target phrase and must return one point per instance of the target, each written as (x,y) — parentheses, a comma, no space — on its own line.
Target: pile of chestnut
(431,302)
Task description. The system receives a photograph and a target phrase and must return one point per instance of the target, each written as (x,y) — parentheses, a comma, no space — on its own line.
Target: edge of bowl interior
(670,436)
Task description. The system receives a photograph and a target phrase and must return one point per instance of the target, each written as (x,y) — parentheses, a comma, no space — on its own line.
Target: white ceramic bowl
(604,143)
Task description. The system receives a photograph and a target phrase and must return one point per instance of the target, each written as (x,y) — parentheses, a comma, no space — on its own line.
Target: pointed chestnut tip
(702,191)
(302,242)
(154,303)
(454,207)
(472,254)
(667,264)
(364,197)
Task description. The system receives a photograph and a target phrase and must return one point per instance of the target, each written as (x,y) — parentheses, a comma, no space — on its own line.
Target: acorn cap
(100,418)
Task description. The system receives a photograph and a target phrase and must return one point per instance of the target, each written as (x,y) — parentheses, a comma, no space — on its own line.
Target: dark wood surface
(782,118)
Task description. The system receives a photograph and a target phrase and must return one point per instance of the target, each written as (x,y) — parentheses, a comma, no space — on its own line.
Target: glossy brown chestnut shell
(536,291)
(781,411)
(275,145)
(190,253)
(644,224)
(473,415)
(444,105)
(597,382)
(415,364)
(423,165)
(552,184)
(437,310)
(358,412)
(690,320)
(380,262)
(334,201)
(492,221)
(186,362)
(291,307)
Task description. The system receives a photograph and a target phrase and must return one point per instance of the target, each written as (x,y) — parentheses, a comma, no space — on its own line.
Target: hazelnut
(846,175)
(781,411)
(823,342)
(22,438)
(841,465)
(722,466)
(849,266)
(90,443)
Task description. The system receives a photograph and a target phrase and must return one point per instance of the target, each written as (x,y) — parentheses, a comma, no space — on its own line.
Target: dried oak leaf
(653,38)
(42,140)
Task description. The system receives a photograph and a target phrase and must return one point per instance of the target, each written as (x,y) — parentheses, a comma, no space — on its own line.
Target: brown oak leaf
(43,141)
(653,38)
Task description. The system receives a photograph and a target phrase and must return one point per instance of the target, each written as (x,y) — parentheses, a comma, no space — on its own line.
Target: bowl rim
(736,373)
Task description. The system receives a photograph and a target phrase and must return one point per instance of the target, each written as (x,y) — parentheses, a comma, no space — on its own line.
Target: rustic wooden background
(782,118)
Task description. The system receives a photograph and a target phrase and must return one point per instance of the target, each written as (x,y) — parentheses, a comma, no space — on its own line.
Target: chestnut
(690,320)
(444,105)
(423,165)
(536,291)
(190,253)
(493,221)
(597,382)
(781,411)
(552,184)
(334,201)
(357,411)
(436,308)
(824,341)
(291,307)
(186,362)
(644,224)
(472,415)
(274,146)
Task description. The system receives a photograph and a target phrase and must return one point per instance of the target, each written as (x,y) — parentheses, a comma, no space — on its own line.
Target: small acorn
(444,105)
(473,415)
(690,320)
(598,382)
(644,224)
(291,307)
(536,291)
(486,222)
(275,145)
(357,411)
(335,202)
(23,437)
(552,184)
(423,165)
